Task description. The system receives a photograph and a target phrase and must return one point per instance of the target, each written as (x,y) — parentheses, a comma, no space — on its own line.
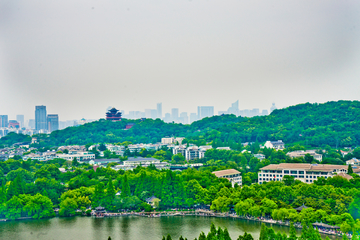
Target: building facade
(40,118)
(4,121)
(302,153)
(277,145)
(20,119)
(205,111)
(53,122)
(234,176)
(304,172)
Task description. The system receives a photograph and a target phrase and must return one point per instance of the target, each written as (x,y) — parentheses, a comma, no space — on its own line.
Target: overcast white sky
(79,57)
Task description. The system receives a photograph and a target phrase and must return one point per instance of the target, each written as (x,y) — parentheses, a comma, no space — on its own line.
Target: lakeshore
(129,226)
(190,213)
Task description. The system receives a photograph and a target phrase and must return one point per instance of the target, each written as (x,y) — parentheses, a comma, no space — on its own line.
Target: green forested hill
(331,123)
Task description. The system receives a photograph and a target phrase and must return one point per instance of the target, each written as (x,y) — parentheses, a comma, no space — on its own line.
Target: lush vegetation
(32,189)
(333,123)
(307,233)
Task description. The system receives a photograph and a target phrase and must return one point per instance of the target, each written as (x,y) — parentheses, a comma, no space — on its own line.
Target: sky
(80,57)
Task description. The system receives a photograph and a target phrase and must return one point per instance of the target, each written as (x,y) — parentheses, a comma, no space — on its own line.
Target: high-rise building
(174,114)
(53,122)
(4,122)
(40,118)
(184,118)
(234,109)
(159,110)
(148,113)
(264,112)
(20,119)
(205,111)
(154,114)
(193,117)
(31,123)
(167,117)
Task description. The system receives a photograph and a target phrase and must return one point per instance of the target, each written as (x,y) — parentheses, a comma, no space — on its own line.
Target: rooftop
(225,172)
(304,166)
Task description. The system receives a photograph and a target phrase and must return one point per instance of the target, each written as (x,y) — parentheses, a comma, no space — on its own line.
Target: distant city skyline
(43,121)
(133,55)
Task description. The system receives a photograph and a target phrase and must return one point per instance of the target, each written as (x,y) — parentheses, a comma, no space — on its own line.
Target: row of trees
(266,233)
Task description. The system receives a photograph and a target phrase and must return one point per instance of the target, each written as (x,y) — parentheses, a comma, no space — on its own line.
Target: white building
(223,148)
(302,153)
(234,176)
(304,172)
(80,156)
(259,156)
(353,162)
(278,145)
(171,140)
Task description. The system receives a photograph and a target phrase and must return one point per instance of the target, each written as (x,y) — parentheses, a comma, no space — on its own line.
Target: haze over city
(78,58)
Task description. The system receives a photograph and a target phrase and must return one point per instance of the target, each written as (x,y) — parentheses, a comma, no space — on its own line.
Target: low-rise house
(233,175)
(304,172)
(353,162)
(278,145)
(259,156)
(171,140)
(152,200)
(223,148)
(302,153)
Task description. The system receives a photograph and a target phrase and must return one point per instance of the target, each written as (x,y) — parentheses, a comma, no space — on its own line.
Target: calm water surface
(125,228)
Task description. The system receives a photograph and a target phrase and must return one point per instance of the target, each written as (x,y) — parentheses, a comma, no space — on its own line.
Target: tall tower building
(174,114)
(20,119)
(205,111)
(159,110)
(40,118)
(234,109)
(53,122)
(4,121)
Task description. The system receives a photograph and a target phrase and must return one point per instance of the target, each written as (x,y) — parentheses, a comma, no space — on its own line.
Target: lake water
(124,228)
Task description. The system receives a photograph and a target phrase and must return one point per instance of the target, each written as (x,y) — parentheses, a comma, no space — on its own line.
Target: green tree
(350,170)
(125,190)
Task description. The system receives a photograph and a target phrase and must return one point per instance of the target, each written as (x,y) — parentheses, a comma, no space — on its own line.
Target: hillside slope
(331,123)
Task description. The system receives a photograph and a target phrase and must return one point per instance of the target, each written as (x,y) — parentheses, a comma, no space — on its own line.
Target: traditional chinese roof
(301,208)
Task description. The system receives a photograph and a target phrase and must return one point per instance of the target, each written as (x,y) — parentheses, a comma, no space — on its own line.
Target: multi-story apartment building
(304,172)
(234,176)
(302,153)
(80,156)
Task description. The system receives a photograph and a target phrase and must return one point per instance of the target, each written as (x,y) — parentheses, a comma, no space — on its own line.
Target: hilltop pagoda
(113,114)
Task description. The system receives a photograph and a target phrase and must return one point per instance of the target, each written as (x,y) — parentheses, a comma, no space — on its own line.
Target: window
(301,172)
(293,172)
(286,171)
(301,176)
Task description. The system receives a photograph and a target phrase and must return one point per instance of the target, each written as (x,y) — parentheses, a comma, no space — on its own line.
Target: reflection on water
(124,228)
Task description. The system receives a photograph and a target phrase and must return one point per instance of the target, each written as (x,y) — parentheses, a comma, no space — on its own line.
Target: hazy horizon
(78,58)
